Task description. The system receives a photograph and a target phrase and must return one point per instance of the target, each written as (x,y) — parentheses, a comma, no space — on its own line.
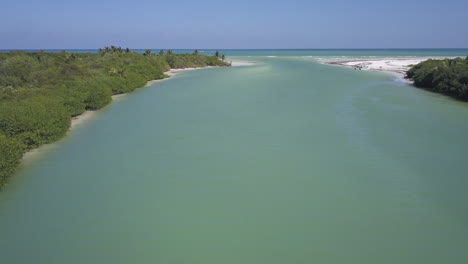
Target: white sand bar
(391,65)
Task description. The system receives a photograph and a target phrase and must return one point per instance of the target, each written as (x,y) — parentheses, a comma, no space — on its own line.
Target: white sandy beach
(389,64)
(173,72)
(394,65)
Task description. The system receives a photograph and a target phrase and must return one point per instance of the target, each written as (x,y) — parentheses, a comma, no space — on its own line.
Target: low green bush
(11,152)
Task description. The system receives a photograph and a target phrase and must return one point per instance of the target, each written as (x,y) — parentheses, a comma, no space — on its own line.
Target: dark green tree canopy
(448,76)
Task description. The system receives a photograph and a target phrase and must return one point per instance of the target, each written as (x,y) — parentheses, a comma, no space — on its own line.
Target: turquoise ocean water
(284,161)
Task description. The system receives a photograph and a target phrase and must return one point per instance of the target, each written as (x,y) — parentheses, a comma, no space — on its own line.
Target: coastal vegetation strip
(40,92)
(447,76)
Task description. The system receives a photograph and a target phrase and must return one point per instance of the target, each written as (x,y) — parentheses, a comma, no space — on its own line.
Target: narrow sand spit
(395,65)
(390,65)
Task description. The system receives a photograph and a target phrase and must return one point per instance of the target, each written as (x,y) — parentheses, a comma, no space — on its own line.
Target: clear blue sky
(42,24)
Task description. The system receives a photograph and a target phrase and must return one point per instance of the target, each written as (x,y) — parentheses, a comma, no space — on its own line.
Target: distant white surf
(242,63)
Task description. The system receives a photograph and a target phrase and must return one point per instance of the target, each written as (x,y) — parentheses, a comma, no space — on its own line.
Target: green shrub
(11,152)
(35,120)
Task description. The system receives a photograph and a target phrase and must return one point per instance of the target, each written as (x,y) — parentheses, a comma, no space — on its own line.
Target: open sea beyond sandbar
(284,161)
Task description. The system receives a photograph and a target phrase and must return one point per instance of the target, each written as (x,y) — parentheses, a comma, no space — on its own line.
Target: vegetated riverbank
(41,92)
(89,114)
(77,120)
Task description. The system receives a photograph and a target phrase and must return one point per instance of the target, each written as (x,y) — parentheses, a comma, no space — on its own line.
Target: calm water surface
(285,161)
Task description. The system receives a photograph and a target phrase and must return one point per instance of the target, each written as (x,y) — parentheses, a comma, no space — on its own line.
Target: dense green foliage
(448,76)
(11,152)
(41,91)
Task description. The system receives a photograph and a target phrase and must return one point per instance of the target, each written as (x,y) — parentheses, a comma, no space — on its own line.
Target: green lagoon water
(284,161)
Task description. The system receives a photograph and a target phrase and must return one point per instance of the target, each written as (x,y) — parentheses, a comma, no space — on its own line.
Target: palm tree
(195,52)
(223,57)
(217,54)
(161,52)
(127,50)
(147,52)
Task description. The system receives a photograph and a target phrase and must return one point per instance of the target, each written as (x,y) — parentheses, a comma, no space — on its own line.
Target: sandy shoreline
(76,121)
(395,65)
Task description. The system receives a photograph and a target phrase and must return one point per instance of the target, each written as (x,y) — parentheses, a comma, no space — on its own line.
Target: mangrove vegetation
(447,76)
(41,91)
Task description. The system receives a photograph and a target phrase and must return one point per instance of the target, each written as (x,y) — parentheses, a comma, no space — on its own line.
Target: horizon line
(38,49)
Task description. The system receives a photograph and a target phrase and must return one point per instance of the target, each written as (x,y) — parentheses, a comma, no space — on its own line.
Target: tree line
(41,91)
(114,49)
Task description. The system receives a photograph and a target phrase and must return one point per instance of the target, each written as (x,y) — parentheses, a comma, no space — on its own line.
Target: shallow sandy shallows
(242,63)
